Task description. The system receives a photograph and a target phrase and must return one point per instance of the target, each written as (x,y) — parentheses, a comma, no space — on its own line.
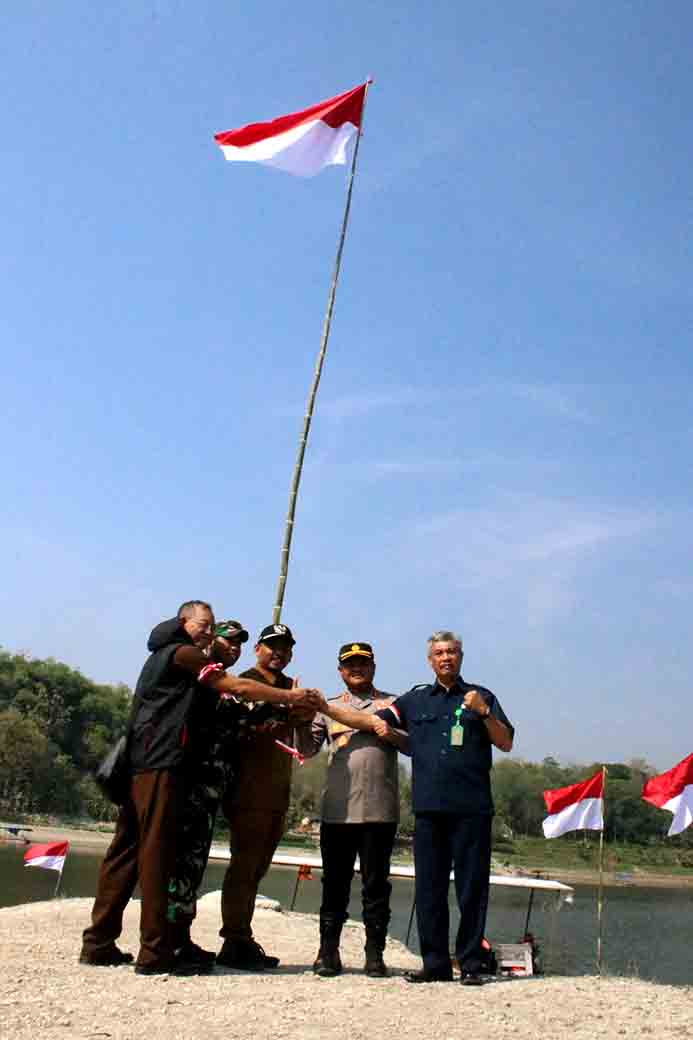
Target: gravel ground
(45,992)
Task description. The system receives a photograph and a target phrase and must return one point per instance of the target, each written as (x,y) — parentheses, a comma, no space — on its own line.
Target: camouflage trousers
(196,829)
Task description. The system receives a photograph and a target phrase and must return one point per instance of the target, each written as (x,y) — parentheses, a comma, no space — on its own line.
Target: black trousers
(443,841)
(340,843)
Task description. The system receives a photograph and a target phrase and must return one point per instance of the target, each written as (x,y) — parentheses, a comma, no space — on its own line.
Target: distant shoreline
(100,839)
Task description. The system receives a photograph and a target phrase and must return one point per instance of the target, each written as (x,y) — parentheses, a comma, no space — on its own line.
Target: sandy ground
(45,992)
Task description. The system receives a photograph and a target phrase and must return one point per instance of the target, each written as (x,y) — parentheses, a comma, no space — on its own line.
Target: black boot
(375,944)
(328,962)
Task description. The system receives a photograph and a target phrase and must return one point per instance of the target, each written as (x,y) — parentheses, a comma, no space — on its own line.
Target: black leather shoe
(328,963)
(246,955)
(428,976)
(110,958)
(375,966)
(471,978)
(192,954)
(189,968)
(155,968)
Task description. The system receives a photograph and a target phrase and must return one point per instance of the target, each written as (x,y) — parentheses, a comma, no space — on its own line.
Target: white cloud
(556,400)
(552,398)
(351,405)
(531,550)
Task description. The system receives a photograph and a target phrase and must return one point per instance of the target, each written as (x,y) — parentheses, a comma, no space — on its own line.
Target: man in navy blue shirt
(452,726)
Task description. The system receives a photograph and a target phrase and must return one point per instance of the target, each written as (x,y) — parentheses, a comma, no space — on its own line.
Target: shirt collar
(457,686)
(362,702)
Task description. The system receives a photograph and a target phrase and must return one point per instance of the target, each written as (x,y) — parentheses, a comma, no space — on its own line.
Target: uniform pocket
(421,720)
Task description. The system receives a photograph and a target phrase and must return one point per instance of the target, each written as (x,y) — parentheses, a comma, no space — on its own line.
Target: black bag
(114,773)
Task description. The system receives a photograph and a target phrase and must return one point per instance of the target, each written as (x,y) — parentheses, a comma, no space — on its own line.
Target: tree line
(517,794)
(56,725)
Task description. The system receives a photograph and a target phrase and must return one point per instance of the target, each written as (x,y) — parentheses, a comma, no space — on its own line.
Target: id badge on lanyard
(457,730)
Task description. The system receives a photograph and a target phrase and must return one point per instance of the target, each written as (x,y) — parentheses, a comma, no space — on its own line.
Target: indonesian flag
(575,808)
(673,791)
(304,142)
(50,857)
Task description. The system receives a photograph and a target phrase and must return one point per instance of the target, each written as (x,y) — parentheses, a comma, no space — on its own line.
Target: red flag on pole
(576,807)
(302,143)
(50,856)
(673,791)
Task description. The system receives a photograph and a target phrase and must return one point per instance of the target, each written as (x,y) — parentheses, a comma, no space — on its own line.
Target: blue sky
(503,436)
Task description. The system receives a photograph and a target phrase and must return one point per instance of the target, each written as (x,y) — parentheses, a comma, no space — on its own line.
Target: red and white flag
(50,856)
(575,808)
(304,142)
(673,791)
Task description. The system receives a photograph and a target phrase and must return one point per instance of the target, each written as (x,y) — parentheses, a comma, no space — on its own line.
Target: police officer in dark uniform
(452,726)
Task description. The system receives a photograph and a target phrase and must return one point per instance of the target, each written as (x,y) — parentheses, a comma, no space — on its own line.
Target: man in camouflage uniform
(212,776)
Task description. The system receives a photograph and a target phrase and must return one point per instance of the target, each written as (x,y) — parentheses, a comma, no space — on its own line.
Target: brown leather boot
(328,962)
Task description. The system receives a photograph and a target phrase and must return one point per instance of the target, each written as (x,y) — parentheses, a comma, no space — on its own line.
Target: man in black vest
(170,726)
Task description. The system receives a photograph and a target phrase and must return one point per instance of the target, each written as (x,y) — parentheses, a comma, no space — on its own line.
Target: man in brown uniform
(256,807)
(360,811)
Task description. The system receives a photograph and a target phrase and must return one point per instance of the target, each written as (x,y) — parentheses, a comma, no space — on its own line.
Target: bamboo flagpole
(600,892)
(310,405)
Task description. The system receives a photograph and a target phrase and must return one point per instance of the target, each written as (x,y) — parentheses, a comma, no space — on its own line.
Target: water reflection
(646,930)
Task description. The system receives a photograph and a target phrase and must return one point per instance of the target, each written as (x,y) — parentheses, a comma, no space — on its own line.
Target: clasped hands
(475,702)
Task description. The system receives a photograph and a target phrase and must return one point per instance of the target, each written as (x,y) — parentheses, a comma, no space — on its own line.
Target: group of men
(200,739)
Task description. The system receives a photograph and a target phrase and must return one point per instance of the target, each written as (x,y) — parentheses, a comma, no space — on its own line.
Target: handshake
(305,703)
(305,700)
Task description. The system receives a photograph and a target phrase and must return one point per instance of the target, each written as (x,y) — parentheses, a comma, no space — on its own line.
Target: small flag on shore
(673,791)
(50,856)
(302,143)
(575,808)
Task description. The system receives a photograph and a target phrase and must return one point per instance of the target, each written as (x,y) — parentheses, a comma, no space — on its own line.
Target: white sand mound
(45,992)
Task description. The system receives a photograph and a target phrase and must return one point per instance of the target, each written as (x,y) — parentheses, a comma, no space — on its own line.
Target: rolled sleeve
(394,715)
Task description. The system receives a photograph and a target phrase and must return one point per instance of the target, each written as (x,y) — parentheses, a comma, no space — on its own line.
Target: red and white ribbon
(290,751)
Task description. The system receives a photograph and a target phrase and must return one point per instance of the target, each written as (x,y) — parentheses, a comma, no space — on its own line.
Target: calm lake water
(646,930)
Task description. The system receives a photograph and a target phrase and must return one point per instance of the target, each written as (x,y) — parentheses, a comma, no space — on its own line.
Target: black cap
(270,632)
(231,630)
(356,650)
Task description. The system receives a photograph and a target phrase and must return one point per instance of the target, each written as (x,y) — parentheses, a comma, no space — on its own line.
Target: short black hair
(186,609)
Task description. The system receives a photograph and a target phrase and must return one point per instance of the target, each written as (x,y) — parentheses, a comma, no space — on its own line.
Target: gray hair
(444,636)
(187,609)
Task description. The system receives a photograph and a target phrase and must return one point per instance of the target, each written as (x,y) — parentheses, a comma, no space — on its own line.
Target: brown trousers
(143,849)
(255,835)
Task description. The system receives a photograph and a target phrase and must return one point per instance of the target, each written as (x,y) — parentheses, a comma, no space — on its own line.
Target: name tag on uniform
(457,730)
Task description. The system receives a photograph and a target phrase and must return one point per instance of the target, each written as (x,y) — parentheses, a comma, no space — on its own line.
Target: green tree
(306,789)
(24,762)
(57,726)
